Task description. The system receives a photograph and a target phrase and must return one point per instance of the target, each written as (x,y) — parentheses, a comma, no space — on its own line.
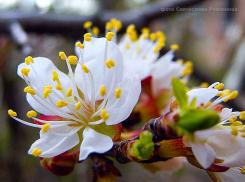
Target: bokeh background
(214,40)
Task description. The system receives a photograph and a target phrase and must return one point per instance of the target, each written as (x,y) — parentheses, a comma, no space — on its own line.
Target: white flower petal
(94,60)
(232,175)
(203,95)
(228,147)
(53,145)
(38,107)
(40,75)
(225,114)
(120,109)
(204,154)
(94,142)
(163,71)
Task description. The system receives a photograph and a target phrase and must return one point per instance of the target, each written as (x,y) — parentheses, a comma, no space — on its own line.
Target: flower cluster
(116,80)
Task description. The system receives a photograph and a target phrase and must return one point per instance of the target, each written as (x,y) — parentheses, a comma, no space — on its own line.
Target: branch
(72,25)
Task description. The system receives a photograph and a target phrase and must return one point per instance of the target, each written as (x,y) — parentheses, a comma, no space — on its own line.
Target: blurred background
(213,38)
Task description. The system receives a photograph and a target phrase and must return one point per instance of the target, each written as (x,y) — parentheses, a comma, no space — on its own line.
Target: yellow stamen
(87,35)
(225,93)
(87,24)
(78,105)
(79,44)
(36,152)
(62,56)
(29,90)
(118,92)
(204,85)
(153,36)
(234,130)
(144,57)
(109,35)
(104,115)
(46,93)
(219,86)
(238,123)
(48,87)
(12,113)
(27,61)
(242,115)
(55,76)
(45,128)
(25,71)
(61,103)
(189,64)
(88,39)
(58,87)
(243,135)
(31,114)
(187,71)
(110,63)
(145,30)
(31,59)
(174,47)
(102,90)
(72,60)
(95,30)
(85,68)
(69,93)
(243,170)
(109,26)
(130,28)
(127,46)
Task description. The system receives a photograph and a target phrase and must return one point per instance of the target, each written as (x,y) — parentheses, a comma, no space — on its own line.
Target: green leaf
(198,119)
(180,92)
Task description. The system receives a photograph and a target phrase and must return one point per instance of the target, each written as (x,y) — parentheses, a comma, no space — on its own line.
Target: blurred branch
(69,25)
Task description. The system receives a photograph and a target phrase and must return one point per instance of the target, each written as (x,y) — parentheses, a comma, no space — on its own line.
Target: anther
(102,90)
(127,46)
(36,152)
(219,86)
(45,128)
(95,30)
(87,24)
(62,56)
(118,92)
(145,30)
(242,115)
(234,130)
(174,47)
(109,26)
(72,60)
(69,93)
(46,93)
(204,85)
(25,71)
(58,87)
(61,103)
(55,76)
(85,68)
(104,115)
(109,35)
(31,114)
(110,63)
(12,113)
(153,36)
(243,170)
(78,105)
(87,35)
(80,45)
(29,90)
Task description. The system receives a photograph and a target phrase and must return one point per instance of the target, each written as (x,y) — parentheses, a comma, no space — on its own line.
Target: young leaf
(198,119)
(180,92)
